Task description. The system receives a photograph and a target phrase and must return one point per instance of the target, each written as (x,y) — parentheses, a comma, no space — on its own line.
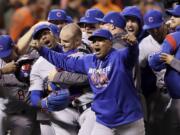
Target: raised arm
(131,52)
(68,63)
(24,41)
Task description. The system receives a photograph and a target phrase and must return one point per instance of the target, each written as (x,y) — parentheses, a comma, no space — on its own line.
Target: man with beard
(153,85)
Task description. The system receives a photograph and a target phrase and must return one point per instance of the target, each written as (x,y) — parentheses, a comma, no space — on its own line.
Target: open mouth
(97,51)
(130,30)
(47,42)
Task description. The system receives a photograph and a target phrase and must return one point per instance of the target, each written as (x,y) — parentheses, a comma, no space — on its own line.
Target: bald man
(80,114)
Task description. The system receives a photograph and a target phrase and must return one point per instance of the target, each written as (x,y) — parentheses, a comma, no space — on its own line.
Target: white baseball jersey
(39,73)
(146,47)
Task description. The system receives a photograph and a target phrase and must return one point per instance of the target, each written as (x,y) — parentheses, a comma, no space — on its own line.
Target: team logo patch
(112,21)
(151,19)
(58,14)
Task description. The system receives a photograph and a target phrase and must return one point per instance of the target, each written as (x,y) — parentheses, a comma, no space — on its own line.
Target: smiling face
(68,42)
(46,38)
(101,47)
(132,26)
(175,21)
(70,37)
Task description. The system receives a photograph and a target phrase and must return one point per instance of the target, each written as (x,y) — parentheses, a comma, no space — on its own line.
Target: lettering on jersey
(99,76)
(21,95)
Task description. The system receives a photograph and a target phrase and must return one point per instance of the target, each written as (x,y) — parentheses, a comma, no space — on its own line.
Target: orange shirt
(108,8)
(21,20)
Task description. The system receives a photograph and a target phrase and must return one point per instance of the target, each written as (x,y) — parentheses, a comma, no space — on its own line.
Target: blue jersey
(115,98)
(171,46)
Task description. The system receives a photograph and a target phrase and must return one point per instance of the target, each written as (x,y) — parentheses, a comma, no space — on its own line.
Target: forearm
(71,64)
(132,55)
(35,97)
(69,78)
(23,42)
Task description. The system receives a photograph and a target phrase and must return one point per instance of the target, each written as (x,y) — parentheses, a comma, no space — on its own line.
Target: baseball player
(89,22)
(116,104)
(59,18)
(16,116)
(174,21)
(134,22)
(170,46)
(46,35)
(153,86)
(65,121)
(115,23)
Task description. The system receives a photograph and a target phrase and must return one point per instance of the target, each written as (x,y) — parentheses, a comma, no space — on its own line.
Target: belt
(82,108)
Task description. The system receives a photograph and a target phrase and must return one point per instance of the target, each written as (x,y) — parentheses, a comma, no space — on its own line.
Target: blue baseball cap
(114,18)
(153,19)
(6,46)
(69,19)
(102,33)
(91,16)
(57,14)
(133,11)
(175,11)
(51,27)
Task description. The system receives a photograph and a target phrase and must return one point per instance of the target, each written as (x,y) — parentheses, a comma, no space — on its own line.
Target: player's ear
(78,40)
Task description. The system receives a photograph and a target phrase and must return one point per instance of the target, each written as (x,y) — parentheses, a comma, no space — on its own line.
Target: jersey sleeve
(36,81)
(169,46)
(68,63)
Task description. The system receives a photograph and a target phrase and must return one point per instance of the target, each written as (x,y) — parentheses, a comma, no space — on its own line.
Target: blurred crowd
(17,16)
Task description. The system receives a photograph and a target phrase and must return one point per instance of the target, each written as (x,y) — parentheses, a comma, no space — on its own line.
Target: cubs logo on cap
(58,14)
(153,19)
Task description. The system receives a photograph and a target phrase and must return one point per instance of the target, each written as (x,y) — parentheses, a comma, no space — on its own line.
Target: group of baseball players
(112,74)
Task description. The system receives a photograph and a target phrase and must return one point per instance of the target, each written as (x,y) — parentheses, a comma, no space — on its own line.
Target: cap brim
(5,54)
(100,20)
(34,36)
(92,38)
(147,27)
(90,21)
(172,13)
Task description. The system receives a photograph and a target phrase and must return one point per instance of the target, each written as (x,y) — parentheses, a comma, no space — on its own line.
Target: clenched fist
(130,39)
(9,68)
(35,44)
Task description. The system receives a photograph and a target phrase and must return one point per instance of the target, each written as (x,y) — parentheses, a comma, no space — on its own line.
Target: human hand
(129,38)
(56,101)
(9,68)
(167,58)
